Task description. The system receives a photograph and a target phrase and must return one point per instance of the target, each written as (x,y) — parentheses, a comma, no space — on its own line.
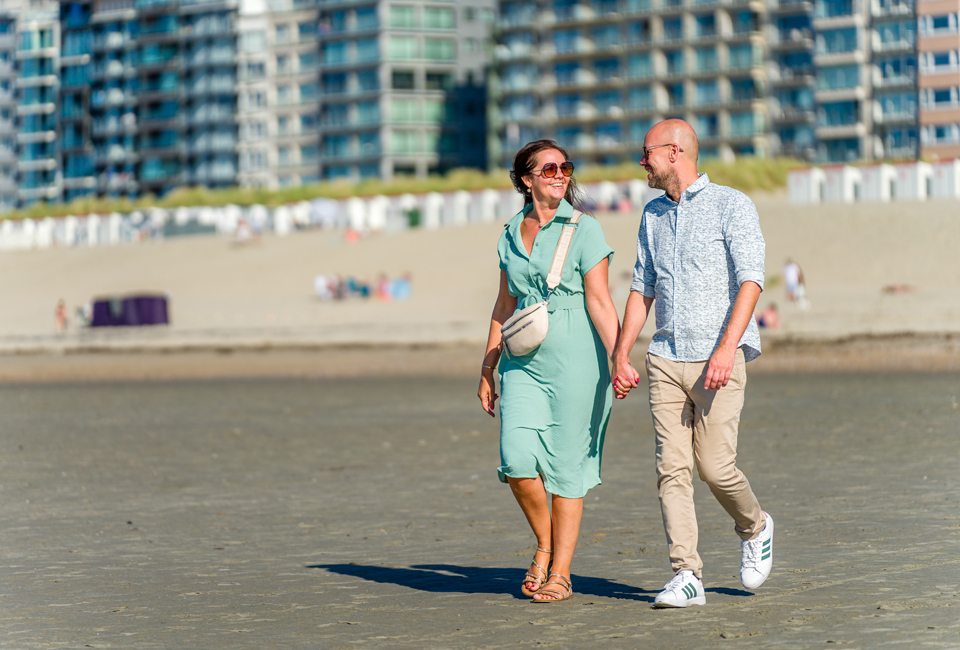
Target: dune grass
(746,174)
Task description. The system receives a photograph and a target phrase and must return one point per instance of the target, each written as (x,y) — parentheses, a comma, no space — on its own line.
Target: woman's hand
(488,398)
(625,378)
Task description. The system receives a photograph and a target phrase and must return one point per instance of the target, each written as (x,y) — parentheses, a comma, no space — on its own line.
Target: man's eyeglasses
(550,169)
(647,150)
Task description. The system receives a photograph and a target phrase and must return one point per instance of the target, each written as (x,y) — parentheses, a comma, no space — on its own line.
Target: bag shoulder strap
(563,247)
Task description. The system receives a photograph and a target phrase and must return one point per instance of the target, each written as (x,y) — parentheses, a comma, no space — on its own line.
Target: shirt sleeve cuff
(750,276)
(644,289)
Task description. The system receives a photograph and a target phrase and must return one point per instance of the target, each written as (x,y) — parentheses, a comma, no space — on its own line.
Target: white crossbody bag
(523,332)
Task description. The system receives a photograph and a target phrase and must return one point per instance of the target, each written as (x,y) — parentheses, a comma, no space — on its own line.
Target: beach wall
(363,214)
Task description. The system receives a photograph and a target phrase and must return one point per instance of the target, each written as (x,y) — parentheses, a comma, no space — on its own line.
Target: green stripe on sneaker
(689,591)
(765,556)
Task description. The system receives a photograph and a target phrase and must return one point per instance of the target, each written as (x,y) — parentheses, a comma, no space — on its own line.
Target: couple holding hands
(700,261)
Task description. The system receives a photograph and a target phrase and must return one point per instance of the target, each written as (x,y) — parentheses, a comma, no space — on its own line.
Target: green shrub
(746,174)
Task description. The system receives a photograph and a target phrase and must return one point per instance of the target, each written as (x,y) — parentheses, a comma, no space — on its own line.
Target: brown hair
(523,165)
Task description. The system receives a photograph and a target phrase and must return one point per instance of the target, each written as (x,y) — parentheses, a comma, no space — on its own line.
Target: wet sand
(337,513)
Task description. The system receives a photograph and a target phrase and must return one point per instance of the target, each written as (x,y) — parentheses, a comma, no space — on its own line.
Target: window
(368,112)
(637,32)
(607,69)
(567,105)
(405,142)
(402,80)
(403,47)
(256,100)
(256,70)
(707,94)
(640,66)
(469,14)
(638,130)
(439,81)
(307,31)
(438,49)
(707,126)
(284,156)
(706,26)
(309,61)
(565,40)
(368,49)
(367,18)
(566,72)
(706,59)
(672,29)
(674,60)
(336,115)
(254,41)
(367,80)
(840,40)
(284,96)
(742,124)
(309,123)
(402,16)
(282,34)
(608,101)
(608,135)
(334,53)
(607,36)
(641,98)
(741,56)
(438,18)
(283,126)
(334,83)
(742,90)
(309,92)
(405,110)
(838,76)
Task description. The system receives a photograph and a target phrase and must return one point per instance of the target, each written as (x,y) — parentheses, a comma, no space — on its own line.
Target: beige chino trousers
(693,423)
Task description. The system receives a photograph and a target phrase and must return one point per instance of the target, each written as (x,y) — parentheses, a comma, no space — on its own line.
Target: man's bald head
(679,132)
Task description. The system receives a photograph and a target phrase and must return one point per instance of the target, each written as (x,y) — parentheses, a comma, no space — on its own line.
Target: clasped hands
(626,378)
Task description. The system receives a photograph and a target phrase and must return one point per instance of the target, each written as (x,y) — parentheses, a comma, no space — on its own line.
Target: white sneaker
(685,589)
(756,556)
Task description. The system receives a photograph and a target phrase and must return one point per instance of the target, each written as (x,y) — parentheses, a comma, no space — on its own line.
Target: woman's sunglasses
(550,169)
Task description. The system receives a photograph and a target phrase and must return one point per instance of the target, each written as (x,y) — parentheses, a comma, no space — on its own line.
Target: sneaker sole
(699,600)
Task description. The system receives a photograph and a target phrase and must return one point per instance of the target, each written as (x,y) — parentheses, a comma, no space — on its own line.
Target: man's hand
(625,378)
(720,368)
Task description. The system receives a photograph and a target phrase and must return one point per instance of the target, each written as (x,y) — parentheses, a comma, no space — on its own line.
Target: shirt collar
(564,212)
(695,187)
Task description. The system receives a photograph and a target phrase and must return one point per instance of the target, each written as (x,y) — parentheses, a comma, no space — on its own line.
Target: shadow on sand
(448,578)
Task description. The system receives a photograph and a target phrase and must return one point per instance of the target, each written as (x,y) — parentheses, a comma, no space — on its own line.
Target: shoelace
(751,553)
(676,582)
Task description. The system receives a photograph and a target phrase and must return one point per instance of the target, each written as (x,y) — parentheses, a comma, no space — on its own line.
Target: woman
(556,400)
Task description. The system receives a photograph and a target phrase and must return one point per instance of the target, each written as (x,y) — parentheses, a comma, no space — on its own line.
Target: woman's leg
(533,501)
(566,530)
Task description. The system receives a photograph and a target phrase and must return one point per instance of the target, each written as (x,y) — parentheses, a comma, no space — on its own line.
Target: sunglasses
(647,150)
(550,169)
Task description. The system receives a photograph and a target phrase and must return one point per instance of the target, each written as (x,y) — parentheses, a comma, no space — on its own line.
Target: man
(700,258)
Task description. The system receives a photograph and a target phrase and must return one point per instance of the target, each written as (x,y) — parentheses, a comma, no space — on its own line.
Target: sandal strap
(559,595)
(564,581)
(543,572)
(544,550)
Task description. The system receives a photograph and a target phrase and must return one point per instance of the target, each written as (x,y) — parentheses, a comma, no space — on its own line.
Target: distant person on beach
(60,318)
(769,318)
(793,283)
(700,257)
(556,399)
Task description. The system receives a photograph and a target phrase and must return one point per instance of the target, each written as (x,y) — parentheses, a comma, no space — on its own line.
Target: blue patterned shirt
(692,257)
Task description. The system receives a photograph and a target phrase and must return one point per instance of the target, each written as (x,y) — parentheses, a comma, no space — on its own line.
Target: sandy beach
(227,298)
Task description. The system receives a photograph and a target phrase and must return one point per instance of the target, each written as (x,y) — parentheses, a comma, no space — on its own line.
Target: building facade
(938,40)
(402,87)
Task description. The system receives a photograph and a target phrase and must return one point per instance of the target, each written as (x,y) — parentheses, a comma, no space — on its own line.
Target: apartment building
(402,86)
(147,99)
(8,111)
(596,75)
(938,42)
(37,63)
(279,86)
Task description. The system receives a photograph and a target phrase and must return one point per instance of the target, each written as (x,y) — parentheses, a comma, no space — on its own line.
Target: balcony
(900,45)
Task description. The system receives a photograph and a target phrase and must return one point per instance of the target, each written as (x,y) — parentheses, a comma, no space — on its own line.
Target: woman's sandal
(533,577)
(556,593)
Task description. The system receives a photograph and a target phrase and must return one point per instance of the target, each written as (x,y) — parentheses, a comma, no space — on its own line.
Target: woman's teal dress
(555,401)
